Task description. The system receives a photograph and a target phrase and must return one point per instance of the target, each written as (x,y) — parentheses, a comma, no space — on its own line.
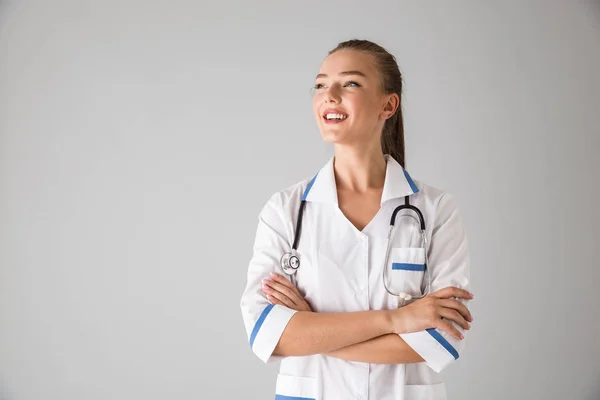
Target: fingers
(273,300)
(448,327)
(451,291)
(280,290)
(296,297)
(455,316)
(458,306)
(280,279)
(276,297)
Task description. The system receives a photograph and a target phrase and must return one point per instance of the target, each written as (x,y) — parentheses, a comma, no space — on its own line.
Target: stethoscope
(290,262)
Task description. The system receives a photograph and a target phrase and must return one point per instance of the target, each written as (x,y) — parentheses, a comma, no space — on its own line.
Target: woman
(341,331)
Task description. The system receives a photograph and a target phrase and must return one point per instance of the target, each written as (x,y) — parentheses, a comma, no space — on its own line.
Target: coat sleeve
(448,264)
(264,321)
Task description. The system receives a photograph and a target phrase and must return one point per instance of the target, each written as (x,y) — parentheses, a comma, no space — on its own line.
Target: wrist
(390,321)
(397,317)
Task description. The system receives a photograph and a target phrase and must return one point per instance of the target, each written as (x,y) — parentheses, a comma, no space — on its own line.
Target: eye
(352,83)
(318,86)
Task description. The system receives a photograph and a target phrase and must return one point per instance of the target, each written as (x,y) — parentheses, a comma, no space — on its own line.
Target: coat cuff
(268,330)
(437,352)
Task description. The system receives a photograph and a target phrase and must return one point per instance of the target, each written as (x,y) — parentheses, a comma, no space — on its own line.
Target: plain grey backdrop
(139,140)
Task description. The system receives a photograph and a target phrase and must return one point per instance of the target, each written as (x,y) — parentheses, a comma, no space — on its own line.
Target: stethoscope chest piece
(290,263)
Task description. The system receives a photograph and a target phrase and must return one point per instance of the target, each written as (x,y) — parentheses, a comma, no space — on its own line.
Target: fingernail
(273,274)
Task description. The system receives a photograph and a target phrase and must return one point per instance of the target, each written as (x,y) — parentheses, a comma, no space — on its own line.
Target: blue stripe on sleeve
(259,323)
(282,397)
(443,342)
(408,267)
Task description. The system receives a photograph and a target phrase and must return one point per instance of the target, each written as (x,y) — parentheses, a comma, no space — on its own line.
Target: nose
(332,95)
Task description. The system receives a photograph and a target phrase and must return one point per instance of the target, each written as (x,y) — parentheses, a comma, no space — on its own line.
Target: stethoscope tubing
(285,260)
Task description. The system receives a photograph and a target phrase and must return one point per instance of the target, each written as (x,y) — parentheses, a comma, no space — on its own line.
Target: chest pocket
(406,266)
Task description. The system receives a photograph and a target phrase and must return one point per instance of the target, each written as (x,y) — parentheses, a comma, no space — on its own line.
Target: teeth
(335,116)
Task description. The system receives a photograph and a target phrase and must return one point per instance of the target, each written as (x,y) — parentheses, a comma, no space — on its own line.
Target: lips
(334,116)
(333,111)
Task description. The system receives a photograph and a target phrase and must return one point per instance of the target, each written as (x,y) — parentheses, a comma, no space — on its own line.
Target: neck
(359,170)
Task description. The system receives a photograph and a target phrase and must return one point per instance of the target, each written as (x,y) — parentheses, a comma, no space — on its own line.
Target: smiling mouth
(335,117)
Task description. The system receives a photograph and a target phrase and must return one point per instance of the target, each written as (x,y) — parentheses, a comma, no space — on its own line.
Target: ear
(390,105)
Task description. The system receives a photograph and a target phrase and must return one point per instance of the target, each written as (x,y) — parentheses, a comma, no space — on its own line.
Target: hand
(281,291)
(429,312)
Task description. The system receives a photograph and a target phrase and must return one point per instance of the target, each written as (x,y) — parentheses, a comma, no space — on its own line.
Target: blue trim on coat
(408,267)
(436,335)
(310,184)
(414,187)
(259,323)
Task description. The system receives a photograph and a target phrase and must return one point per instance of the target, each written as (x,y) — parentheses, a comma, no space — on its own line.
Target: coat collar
(398,183)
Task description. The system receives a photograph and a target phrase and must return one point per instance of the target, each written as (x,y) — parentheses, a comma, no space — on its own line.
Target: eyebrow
(344,73)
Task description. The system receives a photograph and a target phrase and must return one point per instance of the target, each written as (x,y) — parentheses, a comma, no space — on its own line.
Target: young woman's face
(349,106)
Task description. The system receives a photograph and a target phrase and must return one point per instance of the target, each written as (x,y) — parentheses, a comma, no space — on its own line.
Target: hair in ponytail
(392,137)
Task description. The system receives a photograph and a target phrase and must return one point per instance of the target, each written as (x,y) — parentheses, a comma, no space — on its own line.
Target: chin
(335,136)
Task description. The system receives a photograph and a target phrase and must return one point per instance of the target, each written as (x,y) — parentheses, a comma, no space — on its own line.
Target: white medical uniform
(341,270)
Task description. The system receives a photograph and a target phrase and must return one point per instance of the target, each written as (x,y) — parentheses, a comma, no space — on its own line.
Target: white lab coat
(341,270)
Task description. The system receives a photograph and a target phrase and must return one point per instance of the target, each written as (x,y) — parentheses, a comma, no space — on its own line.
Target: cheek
(356,104)
(317,102)
(364,109)
(318,99)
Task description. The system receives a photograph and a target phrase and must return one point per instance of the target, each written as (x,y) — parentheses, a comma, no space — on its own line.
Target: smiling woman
(360,72)
(333,318)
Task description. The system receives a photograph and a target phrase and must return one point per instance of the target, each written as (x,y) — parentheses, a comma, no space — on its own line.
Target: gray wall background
(139,140)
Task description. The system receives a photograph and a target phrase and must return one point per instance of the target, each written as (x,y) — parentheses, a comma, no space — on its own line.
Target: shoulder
(429,193)
(440,201)
(286,200)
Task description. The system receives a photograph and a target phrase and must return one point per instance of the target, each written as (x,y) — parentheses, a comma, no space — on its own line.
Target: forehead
(348,60)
